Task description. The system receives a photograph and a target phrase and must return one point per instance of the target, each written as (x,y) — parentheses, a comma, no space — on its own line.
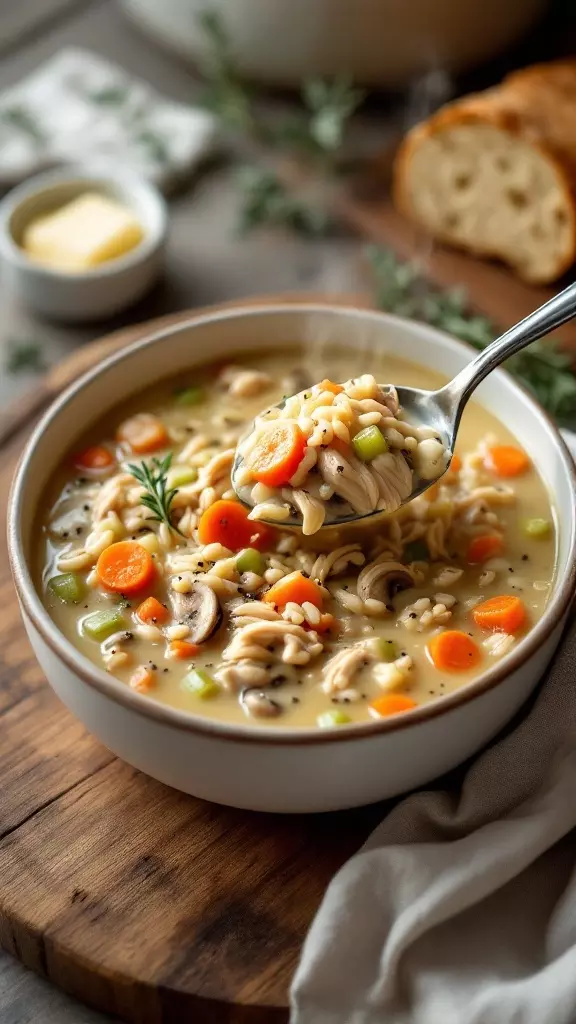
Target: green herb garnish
(225,96)
(158,497)
(316,131)
(542,367)
(24,357)
(266,200)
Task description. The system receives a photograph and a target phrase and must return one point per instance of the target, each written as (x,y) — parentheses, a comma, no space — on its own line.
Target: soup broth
(226,638)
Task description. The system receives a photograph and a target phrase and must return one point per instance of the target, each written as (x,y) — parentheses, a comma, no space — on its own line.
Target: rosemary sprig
(545,370)
(158,497)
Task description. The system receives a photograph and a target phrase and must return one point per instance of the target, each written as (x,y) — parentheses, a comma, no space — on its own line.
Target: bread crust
(536,105)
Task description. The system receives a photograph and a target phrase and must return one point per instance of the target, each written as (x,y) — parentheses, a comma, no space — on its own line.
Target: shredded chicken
(341,669)
(273,641)
(112,495)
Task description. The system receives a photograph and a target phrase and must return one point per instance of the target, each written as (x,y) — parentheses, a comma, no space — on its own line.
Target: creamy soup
(232,619)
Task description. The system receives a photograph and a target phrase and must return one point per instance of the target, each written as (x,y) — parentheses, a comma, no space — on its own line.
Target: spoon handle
(546,318)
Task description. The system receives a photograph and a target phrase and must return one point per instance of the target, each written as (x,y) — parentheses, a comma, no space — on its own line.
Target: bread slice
(495,172)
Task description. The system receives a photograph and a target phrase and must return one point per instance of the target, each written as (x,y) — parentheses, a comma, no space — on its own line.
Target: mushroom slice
(199,610)
(383,580)
(258,703)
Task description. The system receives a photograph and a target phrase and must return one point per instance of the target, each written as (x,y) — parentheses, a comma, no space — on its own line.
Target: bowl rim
(110,687)
(139,194)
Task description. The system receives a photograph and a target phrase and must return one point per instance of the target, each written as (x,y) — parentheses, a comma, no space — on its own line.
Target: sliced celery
(369,443)
(190,396)
(201,684)
(179,476)
(102,624)
(416,551)
(536,528)
(388,649)
(329,719)
(68,587)
(250,560)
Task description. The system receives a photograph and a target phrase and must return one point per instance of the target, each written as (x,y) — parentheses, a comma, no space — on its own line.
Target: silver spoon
(442,410)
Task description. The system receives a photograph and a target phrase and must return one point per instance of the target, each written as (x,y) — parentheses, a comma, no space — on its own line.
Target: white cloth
(79,108)
(461,907)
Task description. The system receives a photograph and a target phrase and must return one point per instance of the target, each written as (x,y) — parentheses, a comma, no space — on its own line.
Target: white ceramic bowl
(376,42)
(103,290)
(286,769)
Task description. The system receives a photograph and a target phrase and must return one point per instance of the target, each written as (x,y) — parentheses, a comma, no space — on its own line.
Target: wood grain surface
(139,900)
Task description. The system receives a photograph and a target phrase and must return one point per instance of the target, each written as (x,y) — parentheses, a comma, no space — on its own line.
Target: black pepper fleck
(295,700)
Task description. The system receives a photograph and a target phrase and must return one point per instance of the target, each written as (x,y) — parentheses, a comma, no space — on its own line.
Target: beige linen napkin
(461,907)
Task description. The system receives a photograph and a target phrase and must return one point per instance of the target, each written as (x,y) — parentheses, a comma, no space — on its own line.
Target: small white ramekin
(103,290)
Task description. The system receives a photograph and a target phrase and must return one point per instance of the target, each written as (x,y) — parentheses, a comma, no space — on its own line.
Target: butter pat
(88,231)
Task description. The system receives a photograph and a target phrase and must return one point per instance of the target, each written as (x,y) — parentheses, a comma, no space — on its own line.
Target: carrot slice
(277,454)
(125,567)
(226,522)
(453,651)
(294,587)
(455,464)
(392,704)
(505,460)
(505,612)
(328,624)
(142,679)
(143,433)
(95,457)
(183,650)
(485,546)
(152,611)
(329,385)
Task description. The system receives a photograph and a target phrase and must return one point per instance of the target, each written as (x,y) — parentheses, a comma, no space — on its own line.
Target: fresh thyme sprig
(316,133)
(158,497)
(268,201)
(545,370)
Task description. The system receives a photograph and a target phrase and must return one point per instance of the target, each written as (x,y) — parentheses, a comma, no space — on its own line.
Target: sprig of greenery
(158,497)
(545,370)
(316,132)
(266,200)
(225,96)
(24,357)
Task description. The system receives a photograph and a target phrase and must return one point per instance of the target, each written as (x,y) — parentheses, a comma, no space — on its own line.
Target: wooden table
(206,263)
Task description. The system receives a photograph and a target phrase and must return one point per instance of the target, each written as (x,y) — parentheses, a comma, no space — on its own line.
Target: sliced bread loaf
(495,172)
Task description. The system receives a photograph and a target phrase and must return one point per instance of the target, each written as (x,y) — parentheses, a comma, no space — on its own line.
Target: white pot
(286,769)
(378,42)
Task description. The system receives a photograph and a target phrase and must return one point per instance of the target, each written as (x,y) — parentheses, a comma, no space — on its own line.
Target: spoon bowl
(442,410)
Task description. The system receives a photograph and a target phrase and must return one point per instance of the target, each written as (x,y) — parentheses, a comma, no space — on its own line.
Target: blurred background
(303,92)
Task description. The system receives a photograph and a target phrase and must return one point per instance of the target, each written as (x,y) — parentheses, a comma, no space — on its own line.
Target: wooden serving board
(146,903)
